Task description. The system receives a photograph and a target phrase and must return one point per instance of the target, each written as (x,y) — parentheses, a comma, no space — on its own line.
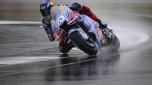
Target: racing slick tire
(115,44)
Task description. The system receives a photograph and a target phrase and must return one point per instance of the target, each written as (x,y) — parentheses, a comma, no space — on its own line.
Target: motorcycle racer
(46,21)
(82,9)
(45,8)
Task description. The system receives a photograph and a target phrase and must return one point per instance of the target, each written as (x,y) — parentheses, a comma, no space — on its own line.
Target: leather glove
(52,36)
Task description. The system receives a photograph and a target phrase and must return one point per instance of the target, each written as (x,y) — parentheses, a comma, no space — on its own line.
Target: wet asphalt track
(28,58)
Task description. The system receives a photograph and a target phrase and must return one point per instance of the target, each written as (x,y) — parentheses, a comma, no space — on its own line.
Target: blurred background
(29,9)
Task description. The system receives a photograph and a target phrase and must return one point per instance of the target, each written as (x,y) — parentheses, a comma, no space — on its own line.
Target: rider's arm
(48,28)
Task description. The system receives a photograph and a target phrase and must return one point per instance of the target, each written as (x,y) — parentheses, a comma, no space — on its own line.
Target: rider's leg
(90,26)
(106,31)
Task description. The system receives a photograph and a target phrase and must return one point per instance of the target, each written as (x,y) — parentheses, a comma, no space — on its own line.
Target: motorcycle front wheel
(82,44)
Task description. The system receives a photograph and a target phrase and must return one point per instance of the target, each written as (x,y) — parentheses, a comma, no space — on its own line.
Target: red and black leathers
(87,11)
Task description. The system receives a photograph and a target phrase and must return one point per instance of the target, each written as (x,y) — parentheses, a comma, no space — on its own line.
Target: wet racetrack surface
(28,58)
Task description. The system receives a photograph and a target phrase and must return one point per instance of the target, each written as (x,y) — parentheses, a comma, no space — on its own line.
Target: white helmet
(59,10)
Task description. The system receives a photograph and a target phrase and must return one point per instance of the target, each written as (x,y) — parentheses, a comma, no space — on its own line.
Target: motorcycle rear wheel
(115,44)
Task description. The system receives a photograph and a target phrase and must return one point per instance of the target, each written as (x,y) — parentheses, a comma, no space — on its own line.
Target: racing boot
(108,34)
(106,31)
(102,26)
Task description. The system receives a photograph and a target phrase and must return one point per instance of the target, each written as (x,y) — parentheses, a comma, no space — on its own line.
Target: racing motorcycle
(89,41)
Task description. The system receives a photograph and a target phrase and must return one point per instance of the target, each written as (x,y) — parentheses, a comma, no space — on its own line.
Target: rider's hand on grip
(52,37)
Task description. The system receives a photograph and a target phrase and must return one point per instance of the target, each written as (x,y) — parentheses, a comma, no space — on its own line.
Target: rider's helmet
(76,6)
(45,7)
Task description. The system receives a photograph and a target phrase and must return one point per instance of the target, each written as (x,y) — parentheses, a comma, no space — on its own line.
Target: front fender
(83,34)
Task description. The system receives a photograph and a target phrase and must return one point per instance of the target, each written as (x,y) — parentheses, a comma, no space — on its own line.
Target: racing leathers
(48,28)
(87,11)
